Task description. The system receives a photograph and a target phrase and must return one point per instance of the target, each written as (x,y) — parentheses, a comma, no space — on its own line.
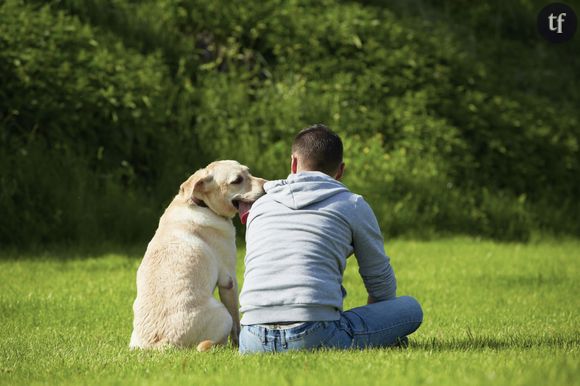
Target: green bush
(84,127)
(446,128)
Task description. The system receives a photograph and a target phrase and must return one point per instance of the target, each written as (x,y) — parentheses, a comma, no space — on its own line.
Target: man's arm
(374,265)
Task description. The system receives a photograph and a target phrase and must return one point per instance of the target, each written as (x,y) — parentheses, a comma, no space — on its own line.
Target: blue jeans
(379,324)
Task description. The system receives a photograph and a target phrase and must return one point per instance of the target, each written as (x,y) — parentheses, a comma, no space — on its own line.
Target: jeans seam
(387,328)
(258,333)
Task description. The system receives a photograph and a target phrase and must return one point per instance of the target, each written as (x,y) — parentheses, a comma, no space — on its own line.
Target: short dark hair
(319,148)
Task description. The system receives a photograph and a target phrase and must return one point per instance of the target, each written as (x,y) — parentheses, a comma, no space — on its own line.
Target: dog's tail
(205,345)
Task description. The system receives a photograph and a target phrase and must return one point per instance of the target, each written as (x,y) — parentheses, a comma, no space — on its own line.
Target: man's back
(298,238)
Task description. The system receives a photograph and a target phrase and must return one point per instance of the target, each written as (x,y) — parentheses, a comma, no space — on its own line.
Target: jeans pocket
(324,335)
(331,340)
(302,331)
(252,329)
(340,338)
(251,341)
(345,327)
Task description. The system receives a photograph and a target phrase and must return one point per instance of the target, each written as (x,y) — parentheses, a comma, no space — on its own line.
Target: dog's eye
(238,180)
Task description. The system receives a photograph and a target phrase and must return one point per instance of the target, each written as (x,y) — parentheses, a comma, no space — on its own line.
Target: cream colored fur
(192,252)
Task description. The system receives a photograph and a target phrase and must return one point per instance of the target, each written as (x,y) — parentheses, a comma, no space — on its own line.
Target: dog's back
(192,252)
(177,276)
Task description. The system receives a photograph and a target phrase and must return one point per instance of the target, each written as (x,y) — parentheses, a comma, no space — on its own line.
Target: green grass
(494,314)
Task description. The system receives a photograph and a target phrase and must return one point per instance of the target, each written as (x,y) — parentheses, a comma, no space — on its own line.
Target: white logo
(559,19)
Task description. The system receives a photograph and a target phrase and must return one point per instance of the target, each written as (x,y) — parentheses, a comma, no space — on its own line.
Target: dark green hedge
(87,131)
(454,120)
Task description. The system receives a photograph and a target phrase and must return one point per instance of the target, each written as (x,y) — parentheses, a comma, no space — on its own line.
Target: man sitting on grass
(298,238)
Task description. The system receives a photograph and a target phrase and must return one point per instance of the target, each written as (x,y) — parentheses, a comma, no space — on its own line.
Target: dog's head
(226,187)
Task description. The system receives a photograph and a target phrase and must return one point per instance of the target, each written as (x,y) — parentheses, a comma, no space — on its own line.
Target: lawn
(494,314)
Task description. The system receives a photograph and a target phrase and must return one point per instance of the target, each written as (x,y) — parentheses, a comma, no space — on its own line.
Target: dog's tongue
(244,211)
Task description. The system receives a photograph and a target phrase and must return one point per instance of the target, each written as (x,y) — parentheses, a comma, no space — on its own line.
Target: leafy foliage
(85,124)
(447,128)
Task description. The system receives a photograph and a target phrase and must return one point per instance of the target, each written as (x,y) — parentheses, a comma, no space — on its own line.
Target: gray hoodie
(298,237)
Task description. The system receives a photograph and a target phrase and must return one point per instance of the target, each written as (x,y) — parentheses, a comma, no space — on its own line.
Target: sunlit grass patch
(494,313)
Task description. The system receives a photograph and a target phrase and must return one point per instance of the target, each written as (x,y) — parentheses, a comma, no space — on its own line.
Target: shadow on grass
(76,251)
(71,252)
(497,344)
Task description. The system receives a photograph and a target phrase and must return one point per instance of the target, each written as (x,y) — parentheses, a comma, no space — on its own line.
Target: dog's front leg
(229,297)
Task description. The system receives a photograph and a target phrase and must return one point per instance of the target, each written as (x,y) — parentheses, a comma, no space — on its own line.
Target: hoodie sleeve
(374,265)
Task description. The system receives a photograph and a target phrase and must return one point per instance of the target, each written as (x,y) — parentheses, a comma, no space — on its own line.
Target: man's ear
(197,183)
(339,172)
(293,164)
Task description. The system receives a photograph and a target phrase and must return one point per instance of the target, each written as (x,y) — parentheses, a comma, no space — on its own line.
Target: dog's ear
(199,182)
(203,184)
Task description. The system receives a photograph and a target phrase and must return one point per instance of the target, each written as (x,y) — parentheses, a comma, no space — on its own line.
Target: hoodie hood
(303,189)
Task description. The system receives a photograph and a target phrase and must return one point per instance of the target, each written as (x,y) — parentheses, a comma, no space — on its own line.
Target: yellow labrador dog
(192,252)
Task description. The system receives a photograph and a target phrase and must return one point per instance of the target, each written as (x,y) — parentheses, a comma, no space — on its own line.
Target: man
(298,238)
